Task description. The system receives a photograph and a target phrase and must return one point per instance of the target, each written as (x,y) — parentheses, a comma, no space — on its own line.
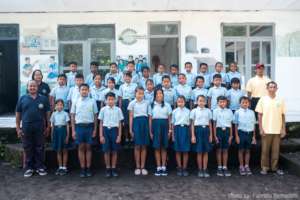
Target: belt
(223,128)
(202,126)
(109,127)
(60,126)
(182,125)
(84,124)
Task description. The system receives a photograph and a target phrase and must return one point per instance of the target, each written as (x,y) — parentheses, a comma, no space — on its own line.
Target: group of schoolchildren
(185,111)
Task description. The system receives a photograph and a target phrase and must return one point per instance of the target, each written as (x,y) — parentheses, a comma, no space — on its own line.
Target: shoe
(41,172)
(242,171)
(185,173)
(144,172)
(157,172)
(58,171)
(88,172)
(164,172)
(220,172)
(137,172)
(263,172)
(179,172)
(114,172)
(205,173)
(279,172)
(82,173)
(200,173)
(248,171)
(28,173)
(108,173)
(226,172)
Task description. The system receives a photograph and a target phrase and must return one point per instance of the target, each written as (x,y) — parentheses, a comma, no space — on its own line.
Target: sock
(60,167)
(163,168)
(246,166)
(158,168)
(224,167)
(219,167)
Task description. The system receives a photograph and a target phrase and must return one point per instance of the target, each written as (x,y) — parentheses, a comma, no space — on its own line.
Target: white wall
(204,25)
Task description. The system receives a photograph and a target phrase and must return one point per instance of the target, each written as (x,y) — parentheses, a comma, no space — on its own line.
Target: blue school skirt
(125,111)
(202,144)
(59,138)
(110,135)
(182,142)
(141,130)
(160,129)
(223,137)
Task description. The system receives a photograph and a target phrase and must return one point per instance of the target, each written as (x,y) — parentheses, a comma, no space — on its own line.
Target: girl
(113,73)
(97,89)
(199,90)
(149,93)
(183,89)
(233,73)
(60,135)
(139,109)
(201,134)
(160,130)
(181,135)
(110,88)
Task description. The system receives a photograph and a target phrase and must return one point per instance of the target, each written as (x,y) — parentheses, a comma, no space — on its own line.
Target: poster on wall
(46,63)
(139,60)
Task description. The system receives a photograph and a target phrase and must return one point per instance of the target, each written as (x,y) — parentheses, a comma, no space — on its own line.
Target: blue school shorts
(125,111)
(245,139)
(223,137)
(182,142)
(84,133)
(160,129)
(110,135)
(59,138)
(202,144)
(141,131)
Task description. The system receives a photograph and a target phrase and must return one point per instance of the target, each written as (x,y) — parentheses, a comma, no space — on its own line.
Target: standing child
(60,91)
(145,77)
(199,90)
(139,109)
(97,89)
(149,92)
(169,92)
(157,77)
(183,89)
(174,74)
(74,93)
(190,76)
(127,93)
(160,130)
(60,136)
(84,126)
(113,73)
(90,77)
(215,91)
(219,70)
(234,94)
(201,134)
(203,71)
(71,75)
(233,73)
(244,118)
(110,130)
(222,118)
(110,88)
(181,135)
(135,78)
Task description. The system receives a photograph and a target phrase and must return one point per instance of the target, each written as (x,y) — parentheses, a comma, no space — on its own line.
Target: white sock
(224,167)
(163,168)
(158,168)
(220,167)
(60,167)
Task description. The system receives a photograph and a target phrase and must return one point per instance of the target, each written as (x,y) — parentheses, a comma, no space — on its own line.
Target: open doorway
(8,75)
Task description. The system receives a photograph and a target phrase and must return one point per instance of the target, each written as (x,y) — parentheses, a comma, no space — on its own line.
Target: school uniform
(149,96)
(181,122)
(84,109)
(117,76)
(223,75)
(71,79)
(74,94)
(140,126)
(206,77)
(157,78)
(231,75)
(107,90)
(111,118)
(245,121)
(135,78)
(169,96)
(127,93)
(90,79)
(61,92)
(33,112)
(184,90)
(59,121)
(44,89)
(223,119)
(234,97)
(96,94)
(190,79)
(160,124)
(174,80)
(201,118)
(213,93)
(196,92)
(142,82)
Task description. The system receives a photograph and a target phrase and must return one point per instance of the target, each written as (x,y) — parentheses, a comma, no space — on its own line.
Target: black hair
(154,98)
(174,66)
(221,98)
(97,74)
(35,71)
(113,63)
(165,77)
(181,74)
(235,80)
(181,97)
(201,96)
(73,63)
(139,88)
(79,76)
(232,63)
(201,64)
(245,98)
(149,80)
(217,76)
(187,63)
(59,100)
(84,85)
(271,82)
(197,78)
(218,63)
(94,63)
(62,76)
(111,79)
(131,62)
(110,94)
(128,73)
(145,68)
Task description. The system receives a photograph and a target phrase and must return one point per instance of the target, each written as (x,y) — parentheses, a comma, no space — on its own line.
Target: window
(191,44)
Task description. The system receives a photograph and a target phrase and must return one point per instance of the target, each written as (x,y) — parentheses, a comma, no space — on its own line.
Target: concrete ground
(127,186)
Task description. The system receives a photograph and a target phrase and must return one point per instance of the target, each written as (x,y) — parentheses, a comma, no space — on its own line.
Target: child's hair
(155,94)
(79,76)
(165,77)
(201,96)
(217,76)
(127,73)
(181,97)
(174,66)
(62,76)
(232,63)
(221,98)
(145,68)
(110,94)
(139,88)
(113,63)
(162,65)
(245,98)
(271,83)
(149,80)
(59,101)
(72,63)
(218,63)
(131,62)
(187,63)
(112,80)
(84,85)
(235,80)
(181,74)
(203,64)
(97,74)
(199,77)
(94,63)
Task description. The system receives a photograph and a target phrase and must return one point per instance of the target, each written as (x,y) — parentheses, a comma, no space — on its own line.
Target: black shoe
(185,173)
(108,173)
(88,172)
(82,173)
(114,172)
(58,171)
(179,172)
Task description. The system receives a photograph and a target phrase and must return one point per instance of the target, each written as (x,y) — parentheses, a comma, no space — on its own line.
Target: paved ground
(14,186)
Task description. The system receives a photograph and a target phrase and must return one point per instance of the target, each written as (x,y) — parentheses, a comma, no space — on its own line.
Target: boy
(94,69)
(110,130)
(135,76)
(74,91)
(157,77)
(215,91)
(71,74)
(190,76)
(203,71)
(149,92)
(60,91)
(233,73)
(145,77)
(199,89)
(222,118)
(219,70)
(183,89)
(84,126)
(174,74)
(244,119)
(234,94)
(114,73)
(169,92)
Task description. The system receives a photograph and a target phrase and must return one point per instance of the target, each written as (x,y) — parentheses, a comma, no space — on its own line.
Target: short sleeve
(130,106)
(228,94)
(70,94)
(52,93)
(215,112)
(150,110)
(52,118)
(192,115)
(259,106)
(120,113)
(121,91)
(101,114)
(73,108)
(249,86)
(210,114)
(95,108)
(19,105)
(209,93)
(283,108)
(67,117)
(173,117)
(236,117)
(169,109)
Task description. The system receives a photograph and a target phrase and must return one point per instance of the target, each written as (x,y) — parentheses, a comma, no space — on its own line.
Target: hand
(169,134)
(282,133)
(74,135)
(210,139)
(131,134)
(19,133)
(262,133)
(118,141)
(253,140)
(193,140)
(229,140)
(151,136)
(67,140)
(102,140)
(47,131)
(94,133)
(217,140)
(237,139)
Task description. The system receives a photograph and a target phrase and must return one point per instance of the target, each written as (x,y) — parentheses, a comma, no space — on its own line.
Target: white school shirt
(159,112)
(90,79)
(184,90)
(107,90)
(169,95)
(206,77)
(96,93)
(198,91)
(117,76)
(142,82)
(127,90)
(181,116)
(174,80)
(135,78)
(214,92)
(71,79)
(111,116)
(157,78)
(84,109)
(59,118)
(245,119)
(139,108)
(223,117)
(149,96)
(201,116)
(74,94)
(190,78)
(61,92)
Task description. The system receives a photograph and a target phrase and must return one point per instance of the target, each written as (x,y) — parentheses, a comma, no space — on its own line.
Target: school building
(49,34)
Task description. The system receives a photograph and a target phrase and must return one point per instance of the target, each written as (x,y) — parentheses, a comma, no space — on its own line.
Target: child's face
(110,84)
(161,69)
(235,86)
(61,81)
(113,69)
(188,67)
(130,67)
(217,81)
(222,103)
(73,67)
(79,81)
(182,79)
(146,73)
(201,102)
(84,91)
(203,68)
(245,104)
(93,68)
(233,67)
(272,89)
(166,83)
(110,101)
(150,86)
(139,95)
(59,106)
(174,70)
(159,96)
(199,83)
(219,68)
(127,79)
(180,102)
(97,80)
